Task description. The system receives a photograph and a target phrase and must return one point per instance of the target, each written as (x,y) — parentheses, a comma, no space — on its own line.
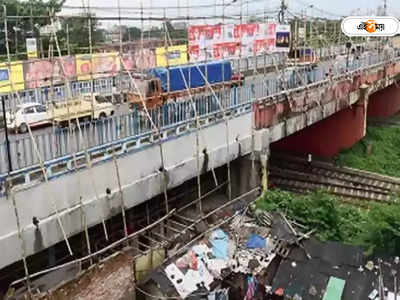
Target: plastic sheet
(256,241)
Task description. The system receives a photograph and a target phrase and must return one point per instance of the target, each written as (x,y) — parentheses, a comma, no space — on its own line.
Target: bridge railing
(134,129)
(105,85)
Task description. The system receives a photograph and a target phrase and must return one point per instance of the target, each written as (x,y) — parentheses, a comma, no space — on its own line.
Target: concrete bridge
(322,118)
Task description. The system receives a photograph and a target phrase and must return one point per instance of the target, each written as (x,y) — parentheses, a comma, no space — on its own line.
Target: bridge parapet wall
(341,90)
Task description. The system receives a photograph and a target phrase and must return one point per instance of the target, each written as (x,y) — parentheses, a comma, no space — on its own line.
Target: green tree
(21,28)
(78,31)
(176,34)
(131,33)
(381,232)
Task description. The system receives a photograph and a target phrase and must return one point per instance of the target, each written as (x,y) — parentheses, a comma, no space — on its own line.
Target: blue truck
(165,83)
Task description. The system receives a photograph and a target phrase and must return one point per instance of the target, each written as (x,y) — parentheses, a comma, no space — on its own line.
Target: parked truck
(83,108)
(162,84)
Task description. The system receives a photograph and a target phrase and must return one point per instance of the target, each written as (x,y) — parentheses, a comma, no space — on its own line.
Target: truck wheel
(73,125)
(86,119)
(23,128)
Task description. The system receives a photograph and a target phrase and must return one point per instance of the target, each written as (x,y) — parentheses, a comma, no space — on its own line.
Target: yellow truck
(83,108)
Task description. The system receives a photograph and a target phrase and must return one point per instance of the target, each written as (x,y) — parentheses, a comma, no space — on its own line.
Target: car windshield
(40,108)
(101,99)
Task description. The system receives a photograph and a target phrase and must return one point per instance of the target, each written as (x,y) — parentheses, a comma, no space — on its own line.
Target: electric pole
(281,14)
(384,7)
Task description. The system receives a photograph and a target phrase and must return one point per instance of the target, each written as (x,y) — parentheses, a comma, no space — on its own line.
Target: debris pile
(246,246)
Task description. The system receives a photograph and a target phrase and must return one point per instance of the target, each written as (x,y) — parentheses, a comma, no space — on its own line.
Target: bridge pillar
(245,176)
(329,136)
(384,103)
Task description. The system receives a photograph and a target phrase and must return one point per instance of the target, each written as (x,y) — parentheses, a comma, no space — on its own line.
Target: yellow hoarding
(171,56)
(17,77)
(101,65)
(83,66)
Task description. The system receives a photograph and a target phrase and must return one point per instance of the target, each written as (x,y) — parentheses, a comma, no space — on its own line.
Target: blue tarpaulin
(219,242)
(255,241)
(194,75)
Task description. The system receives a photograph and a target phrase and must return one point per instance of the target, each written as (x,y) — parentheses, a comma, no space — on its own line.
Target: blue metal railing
(60,143)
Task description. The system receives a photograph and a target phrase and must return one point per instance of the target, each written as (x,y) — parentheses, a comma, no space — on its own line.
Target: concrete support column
(244,176)
(264,156)
(384,103)
(363,102)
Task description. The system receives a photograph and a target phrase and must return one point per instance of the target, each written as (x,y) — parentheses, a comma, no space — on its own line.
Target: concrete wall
(327,137)
(141,180)
(384,103)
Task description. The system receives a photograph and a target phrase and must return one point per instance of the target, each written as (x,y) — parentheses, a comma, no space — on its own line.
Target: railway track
(295,174)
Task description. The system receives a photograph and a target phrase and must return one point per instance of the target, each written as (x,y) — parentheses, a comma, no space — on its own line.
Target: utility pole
(68,49)
(384,7)
(281,14)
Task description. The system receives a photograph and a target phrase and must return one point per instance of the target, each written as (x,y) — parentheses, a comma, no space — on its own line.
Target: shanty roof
(309,277)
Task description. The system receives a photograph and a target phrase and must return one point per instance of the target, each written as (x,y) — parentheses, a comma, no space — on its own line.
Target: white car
(32,114)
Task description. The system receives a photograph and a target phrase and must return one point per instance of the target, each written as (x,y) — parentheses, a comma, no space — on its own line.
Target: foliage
(377,230)
(132,33)
(26,26)
(384,158)
(78,31)
(317,210)
(176,34)
(381,231)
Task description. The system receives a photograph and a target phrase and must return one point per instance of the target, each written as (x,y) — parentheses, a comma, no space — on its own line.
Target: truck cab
(150,90)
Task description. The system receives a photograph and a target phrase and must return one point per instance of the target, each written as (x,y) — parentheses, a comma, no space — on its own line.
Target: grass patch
(377,229)
(379,151)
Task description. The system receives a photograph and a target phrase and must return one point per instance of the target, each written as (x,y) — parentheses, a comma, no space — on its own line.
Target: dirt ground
(109,280)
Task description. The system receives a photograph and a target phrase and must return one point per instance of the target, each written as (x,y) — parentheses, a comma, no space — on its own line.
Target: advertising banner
(208,42)
(202,39)
(172,56)
(282,38)
(38,73)
(264,46)
(83,66)
(17,77)
(105,64)
(139,60)
(204,35)
(128,62)
(97,66)
(246,31)
(226,50)
(144,59)
(198,54)
(31,48)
